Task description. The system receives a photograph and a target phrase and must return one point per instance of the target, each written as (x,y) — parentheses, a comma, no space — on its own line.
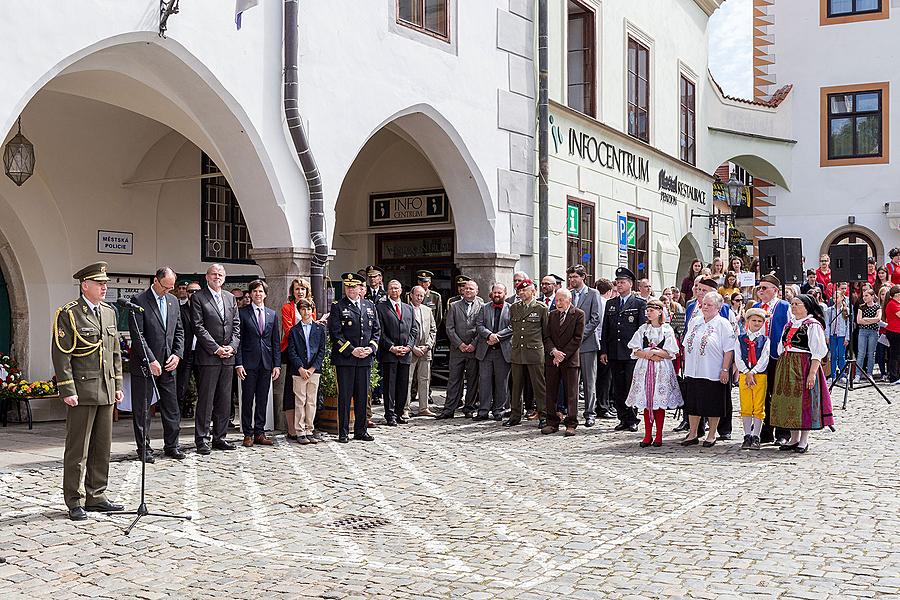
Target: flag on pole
(239,7)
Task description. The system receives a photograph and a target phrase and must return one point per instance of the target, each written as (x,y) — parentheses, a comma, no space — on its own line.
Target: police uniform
(528,321)
(620,322)
(87,360)
(353,327)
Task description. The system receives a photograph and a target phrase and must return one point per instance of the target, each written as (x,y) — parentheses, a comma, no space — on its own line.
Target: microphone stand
(142,510)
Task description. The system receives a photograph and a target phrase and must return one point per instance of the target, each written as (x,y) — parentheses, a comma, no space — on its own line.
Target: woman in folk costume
(800,399)
(654,387)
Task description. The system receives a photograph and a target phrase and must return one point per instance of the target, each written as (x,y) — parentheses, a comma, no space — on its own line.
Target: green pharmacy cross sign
(572,220)
(630,231)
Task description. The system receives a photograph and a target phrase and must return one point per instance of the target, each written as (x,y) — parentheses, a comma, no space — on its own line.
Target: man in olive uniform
(460,281)
(528,319)
(87,360)
(624,314)
(355,332)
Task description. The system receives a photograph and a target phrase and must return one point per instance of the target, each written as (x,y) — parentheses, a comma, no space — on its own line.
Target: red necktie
(399,317)
(751,351)
(765,307)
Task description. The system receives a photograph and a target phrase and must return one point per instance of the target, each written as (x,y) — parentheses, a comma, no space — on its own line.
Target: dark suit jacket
(163,339)
(396,332)
(212,330)
(565,338)
(187,324)
(259,351)
(619,325)
(306,353)
(484,324)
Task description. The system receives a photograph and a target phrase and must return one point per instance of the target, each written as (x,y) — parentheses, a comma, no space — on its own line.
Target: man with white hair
(422,350)
(518,277)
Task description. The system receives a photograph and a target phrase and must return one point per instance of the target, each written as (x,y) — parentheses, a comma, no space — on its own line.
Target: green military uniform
(88,362)
(528,322)
(432,298)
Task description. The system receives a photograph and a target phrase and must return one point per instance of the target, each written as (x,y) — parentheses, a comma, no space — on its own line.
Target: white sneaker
(895,382)
(856,379)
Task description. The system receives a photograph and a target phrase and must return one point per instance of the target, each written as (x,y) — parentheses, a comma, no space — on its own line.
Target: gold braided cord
(88,347)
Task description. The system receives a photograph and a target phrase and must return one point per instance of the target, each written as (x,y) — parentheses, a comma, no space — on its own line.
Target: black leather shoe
(480,418)
(511,422)
(402,420)
(683,426)
(708,444)
(203,449)
(644,444)
(148,458)
(467,414)
(364,438)
(788,447)
(801,450)
(443,416)
(725,437)
(605,414)
(222,445)
(177,454)
(633,427)
(391,423)
(748,441)
(691,442)
(620,427)
(657,444)
(589,422)
(105,506)
(766,439)
(77,514)
(497,417)
(343,439)
(780,442)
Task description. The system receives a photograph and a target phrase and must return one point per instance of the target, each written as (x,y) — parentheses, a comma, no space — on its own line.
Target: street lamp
(18,158)
(735,189)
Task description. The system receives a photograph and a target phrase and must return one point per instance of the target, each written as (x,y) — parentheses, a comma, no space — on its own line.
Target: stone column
(281,266)
(486,268)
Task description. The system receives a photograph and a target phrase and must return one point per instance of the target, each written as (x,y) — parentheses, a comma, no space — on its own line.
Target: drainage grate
(358,523)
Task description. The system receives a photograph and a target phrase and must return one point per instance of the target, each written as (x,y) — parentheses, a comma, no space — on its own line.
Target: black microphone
(128,304)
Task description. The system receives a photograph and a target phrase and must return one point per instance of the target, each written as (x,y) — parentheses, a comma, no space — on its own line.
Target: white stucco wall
(811,57)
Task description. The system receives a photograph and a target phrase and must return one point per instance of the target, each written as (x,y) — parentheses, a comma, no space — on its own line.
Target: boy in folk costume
(751,356)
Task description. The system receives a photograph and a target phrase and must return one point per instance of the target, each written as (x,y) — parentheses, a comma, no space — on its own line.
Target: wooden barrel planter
(327,416)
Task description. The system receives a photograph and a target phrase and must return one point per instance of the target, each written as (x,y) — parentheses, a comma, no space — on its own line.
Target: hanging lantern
(735,189)
(18,158)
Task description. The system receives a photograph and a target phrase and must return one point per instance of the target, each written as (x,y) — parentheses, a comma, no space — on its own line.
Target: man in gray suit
(461,319)
(420,378)
(217,326)
(493,352)
(587,300)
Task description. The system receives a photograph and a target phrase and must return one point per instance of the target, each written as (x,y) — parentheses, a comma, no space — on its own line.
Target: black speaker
(849,262)
(784,256)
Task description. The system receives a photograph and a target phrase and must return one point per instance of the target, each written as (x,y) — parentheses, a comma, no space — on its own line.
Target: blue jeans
(838,354)
(865,354)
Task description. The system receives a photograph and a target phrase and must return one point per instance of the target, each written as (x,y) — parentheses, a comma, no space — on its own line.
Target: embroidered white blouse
(705,346)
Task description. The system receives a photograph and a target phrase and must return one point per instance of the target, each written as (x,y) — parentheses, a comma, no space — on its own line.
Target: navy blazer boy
(306,353)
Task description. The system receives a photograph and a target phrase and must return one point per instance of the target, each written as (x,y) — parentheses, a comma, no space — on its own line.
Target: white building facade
(841,57)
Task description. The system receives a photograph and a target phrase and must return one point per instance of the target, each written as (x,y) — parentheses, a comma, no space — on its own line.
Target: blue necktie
(162,307)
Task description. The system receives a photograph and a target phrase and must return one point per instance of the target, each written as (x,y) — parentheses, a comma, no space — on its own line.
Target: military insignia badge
(60,334)
(631,319)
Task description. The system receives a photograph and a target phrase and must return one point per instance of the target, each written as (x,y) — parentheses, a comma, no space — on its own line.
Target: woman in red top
(892,331)
(823,275)
(893,267)
(687,284)
(290,316)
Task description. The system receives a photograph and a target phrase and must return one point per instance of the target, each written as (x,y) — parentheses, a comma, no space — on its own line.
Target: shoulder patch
(69,306)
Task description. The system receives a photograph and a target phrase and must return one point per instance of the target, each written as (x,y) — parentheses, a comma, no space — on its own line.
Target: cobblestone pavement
(457,509)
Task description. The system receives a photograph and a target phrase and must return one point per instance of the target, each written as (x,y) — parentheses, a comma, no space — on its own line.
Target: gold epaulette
(71,304)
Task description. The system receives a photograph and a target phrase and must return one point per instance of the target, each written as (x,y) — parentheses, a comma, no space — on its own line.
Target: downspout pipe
(543,142)
(317,232)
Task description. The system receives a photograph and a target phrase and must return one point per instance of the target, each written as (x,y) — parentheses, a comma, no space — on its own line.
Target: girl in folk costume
(654,387)
(801,401)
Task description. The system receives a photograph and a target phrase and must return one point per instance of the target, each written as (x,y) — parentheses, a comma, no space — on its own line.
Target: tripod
(142,510)
(846,371)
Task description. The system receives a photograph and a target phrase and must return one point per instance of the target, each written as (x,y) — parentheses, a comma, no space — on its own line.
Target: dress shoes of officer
(364,437)
(105,506)
(222,445)
(402,420)
(480,418)
(77,514)
(343,439)
(176,453)
(511,422)
(203,449)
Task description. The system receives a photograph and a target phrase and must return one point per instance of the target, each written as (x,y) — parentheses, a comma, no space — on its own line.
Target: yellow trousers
(753,399)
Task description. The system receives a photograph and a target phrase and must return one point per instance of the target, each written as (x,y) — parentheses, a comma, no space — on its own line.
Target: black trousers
(766,433)
(255,400)
(353,385)
(893,356)
(395,378)
(724,426)
(213,403)
(142,395)
(622,373)
(183,373)
(604,383)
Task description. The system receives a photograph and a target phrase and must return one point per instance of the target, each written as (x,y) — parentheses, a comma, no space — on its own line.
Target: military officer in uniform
(354,329)
(432,299)
(460,281)
(375,291)
(87,360)
(528,319)
(624,314)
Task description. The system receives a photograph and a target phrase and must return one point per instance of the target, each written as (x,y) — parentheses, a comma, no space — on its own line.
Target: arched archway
(688,250)
(855,234)
(119,128)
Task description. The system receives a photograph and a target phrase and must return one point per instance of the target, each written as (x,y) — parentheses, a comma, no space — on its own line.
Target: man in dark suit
(354,330)
(463,366)
(587,299)
(160,323)
(258,362)
(624,314)
(562,340)
(186,366)
(549,284)
(218,329)
(493,352)
(399,331)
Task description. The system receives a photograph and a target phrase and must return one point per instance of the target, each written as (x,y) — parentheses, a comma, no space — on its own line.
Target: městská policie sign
(404,208)
(115,242)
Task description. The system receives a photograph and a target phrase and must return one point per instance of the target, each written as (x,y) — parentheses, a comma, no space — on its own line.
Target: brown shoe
(262,440)
(371,423)
(570,431)
(549,429)
(532,416)
(248,441)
